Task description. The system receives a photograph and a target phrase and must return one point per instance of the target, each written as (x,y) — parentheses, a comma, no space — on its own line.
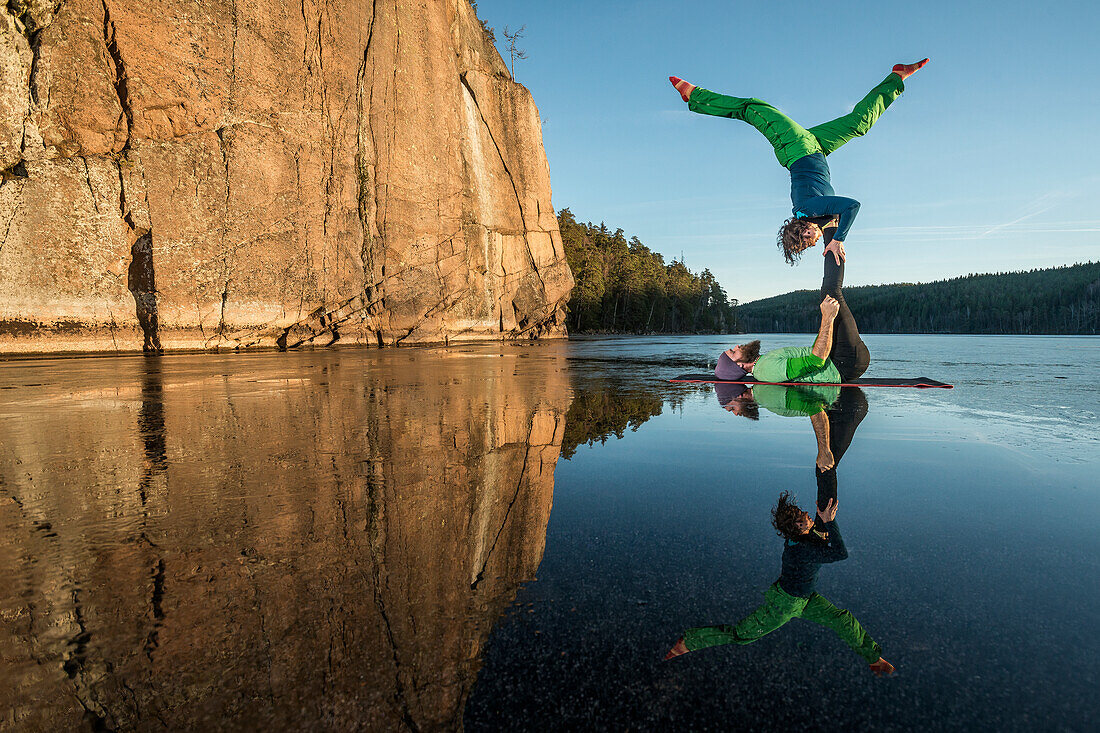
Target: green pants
(790,140)
(778,608)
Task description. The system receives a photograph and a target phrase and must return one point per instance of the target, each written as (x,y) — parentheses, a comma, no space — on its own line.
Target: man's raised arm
(825,459)
(800,366)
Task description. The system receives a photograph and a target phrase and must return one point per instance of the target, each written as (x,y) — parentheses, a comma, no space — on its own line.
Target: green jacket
(795,401)
(794,364)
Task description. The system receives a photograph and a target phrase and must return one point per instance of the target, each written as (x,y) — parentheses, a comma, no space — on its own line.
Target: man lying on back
(830,359)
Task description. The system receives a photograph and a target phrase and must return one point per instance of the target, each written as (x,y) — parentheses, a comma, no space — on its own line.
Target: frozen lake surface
(513,536)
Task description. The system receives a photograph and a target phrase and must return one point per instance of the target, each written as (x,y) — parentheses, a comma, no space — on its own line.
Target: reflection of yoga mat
(919,382)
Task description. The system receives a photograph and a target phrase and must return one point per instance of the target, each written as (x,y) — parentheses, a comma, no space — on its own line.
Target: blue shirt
(803,558)
(812,194)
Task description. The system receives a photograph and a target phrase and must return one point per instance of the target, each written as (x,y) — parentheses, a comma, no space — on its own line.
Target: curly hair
(785,517)
(792,238)
(750,352)
(750,409)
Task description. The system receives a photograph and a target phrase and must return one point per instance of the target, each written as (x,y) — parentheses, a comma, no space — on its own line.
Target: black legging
(844,417)
(849,354)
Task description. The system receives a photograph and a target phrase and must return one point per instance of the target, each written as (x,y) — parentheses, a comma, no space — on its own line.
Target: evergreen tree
(622,286)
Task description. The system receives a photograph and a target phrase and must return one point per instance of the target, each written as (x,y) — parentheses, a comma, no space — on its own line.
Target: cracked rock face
(357,171)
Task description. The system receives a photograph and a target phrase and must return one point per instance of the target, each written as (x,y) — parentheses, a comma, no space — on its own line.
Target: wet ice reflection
(292,540)
(811,538)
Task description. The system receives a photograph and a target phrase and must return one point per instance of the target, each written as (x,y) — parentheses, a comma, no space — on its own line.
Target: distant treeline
(1061,300)
(624,287)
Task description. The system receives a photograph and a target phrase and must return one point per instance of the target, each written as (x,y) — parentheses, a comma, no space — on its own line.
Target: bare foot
(907,70)
(686,88)
(881,667)
(680,648)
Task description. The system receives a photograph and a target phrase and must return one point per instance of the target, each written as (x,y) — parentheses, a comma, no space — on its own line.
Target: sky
(989,162)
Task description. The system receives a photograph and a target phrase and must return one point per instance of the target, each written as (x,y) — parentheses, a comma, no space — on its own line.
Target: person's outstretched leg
(831,135)
(821,611)
(844,417)
(849,354)
(778,608)
(789,139)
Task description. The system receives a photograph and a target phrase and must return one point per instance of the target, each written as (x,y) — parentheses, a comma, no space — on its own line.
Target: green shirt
(794,364)
(795,401)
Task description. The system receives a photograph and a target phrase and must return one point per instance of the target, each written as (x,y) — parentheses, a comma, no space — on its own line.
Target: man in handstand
(803,152)
(808,545)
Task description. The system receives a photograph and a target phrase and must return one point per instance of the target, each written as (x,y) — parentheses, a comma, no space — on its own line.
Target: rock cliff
(308,172)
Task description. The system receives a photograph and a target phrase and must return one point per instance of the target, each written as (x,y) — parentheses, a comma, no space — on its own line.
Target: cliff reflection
(298,541)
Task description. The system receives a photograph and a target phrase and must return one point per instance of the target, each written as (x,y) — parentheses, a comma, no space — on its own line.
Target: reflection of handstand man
(803,152)
(807,547)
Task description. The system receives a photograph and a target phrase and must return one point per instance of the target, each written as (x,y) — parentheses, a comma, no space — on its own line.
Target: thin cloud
(972,232)
(1038,206)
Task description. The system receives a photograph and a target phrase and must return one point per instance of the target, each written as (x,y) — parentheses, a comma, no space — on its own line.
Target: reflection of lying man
(835,413)
(807,547)
(745,400)
(834,431)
